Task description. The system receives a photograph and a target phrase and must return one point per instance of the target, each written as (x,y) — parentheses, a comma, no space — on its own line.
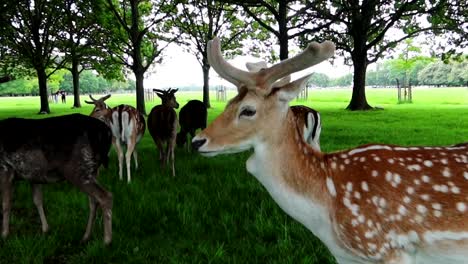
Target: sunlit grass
(213,211)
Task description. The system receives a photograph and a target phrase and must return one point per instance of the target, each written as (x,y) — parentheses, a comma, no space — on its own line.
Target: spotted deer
(376,203)
(306,118)
(127,125)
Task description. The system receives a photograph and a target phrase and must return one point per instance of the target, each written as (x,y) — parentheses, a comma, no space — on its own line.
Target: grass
(213,211)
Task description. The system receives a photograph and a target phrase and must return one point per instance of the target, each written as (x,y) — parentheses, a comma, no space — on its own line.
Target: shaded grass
(213,211)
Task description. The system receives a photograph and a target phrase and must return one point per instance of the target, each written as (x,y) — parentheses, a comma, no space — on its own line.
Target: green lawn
(213,211)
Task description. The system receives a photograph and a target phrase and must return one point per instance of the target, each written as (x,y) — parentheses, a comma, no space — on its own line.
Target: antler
(226,70)
(93,101)
(264,78)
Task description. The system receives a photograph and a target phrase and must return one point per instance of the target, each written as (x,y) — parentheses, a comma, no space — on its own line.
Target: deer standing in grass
(162,125)
(376,203)
(306,118)
(127,125)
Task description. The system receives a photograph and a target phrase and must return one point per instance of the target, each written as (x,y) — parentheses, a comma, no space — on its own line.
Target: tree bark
(206,84)
(140,92)
(283,31)
(358,99)
(44,97)
(76,83)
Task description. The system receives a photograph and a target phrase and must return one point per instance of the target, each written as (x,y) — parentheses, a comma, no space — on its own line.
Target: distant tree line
(63,80)
(421,71)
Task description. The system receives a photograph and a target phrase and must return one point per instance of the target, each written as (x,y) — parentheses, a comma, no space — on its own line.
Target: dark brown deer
(127,125)
(376,203)
(40,151)
(162,126)
(192,116)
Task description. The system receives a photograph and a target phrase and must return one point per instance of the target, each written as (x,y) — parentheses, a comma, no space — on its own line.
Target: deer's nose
(197,143)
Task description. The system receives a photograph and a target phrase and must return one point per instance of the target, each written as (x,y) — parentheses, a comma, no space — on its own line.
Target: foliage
(137,32)
(201,20)
(361,30)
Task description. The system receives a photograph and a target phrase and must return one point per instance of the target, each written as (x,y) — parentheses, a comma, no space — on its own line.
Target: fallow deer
(307,119)
(192,116)
(41,151)
(127,125)
(376,203)
(162,125)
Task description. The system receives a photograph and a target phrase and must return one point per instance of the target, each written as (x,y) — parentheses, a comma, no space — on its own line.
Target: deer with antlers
(162,125)
(127,125)
(376,203)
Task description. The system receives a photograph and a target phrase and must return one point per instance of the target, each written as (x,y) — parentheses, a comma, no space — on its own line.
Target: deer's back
(162,122)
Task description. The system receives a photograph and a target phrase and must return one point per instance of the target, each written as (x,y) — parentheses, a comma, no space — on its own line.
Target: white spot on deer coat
(364,186)
(421,208)
(331,187)
(414,167)
(461,207)
(428,163)
(446,172)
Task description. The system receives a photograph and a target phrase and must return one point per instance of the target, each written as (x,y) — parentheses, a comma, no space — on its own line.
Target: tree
(361,29)
(200,21)
(79,40)
(285,19)
(30,32)
(319,79)
(138,30)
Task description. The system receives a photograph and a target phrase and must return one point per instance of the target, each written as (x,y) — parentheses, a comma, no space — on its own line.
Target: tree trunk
(140,92)
(283,30)
(206,84)
(358,99)
(42,78)
(76,84)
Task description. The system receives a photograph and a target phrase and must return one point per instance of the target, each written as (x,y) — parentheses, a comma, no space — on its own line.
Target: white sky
(182,69)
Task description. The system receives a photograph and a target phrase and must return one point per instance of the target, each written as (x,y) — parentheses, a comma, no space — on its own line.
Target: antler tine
(174,91)
(105,97)
(256,66)
(158,91)
(313,54)
(92,99)
(226,70)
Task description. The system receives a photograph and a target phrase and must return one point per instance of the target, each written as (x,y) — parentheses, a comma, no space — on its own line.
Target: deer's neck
(295,176)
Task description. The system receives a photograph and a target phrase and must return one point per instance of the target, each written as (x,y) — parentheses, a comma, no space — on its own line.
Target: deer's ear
(290,90)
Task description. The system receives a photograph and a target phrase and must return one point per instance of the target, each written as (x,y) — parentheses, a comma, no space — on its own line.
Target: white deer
(127,125)
(371,204)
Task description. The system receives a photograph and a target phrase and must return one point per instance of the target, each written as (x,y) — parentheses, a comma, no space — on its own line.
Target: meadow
(213,211)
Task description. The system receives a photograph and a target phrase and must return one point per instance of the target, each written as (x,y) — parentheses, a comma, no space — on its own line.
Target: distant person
(64,97)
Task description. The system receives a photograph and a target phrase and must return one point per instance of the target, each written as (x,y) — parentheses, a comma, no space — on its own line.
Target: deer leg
(128,157)
(135,158)
(6,183)
(92,217)
(161,152)
(171,147)
(37,199)
(104,199)
(118,147)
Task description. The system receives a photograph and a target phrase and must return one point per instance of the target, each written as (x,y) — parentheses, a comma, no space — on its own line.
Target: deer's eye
(247,112)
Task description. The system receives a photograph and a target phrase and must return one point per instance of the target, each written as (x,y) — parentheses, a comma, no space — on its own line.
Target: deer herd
(376,203)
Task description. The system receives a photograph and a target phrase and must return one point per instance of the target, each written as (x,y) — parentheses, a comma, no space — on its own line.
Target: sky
(182,69)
